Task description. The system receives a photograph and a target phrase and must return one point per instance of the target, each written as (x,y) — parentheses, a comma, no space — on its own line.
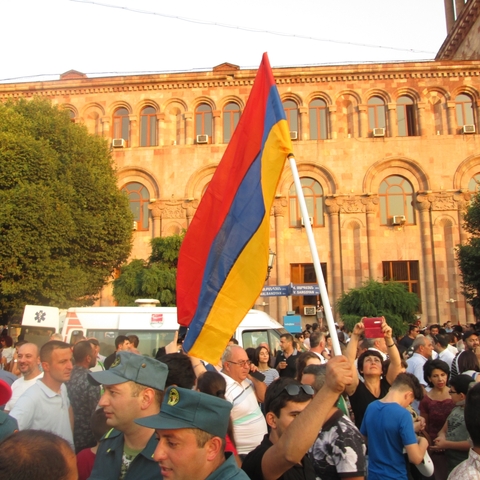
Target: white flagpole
(316,261)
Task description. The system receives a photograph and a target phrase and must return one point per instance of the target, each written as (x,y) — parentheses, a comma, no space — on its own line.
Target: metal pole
(316,261)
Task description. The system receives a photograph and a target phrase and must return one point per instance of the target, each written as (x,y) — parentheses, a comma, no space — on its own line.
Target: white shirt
(249,426)
(320,356)
(415,366)
(447,356)
(19,387)
(41,408)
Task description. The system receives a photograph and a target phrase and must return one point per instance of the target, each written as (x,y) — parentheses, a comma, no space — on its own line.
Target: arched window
(231,116)
(474,183)
(204,120)
(406,117)
(464,109)
(376,113)
(121,125)
(313,193)
(139,199)
(148,127)
(291,111)
(396,198)
(317,111)
(71,114)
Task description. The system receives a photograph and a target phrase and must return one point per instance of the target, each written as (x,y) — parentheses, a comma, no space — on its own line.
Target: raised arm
(302,432)
(395,366)
(351,354)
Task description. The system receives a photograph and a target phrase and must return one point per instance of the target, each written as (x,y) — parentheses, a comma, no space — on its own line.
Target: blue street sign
(305,289)
(276,291)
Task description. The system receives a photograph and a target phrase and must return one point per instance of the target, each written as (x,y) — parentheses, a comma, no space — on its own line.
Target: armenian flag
(223,259)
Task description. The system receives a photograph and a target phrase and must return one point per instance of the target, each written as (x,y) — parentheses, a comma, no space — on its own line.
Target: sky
(43,38)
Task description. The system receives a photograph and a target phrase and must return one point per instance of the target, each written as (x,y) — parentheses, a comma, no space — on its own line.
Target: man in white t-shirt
(244,391)
(29,366)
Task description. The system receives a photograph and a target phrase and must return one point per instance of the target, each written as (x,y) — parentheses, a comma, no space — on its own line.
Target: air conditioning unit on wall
(202,139)
(294,135)
(468,129)
(119,143)
(309,310)
(398,220)
(378,132)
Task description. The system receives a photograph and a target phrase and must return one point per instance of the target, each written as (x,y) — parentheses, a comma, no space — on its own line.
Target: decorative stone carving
(370,203)
(351,204)
(280,207)
(424,201)
(443,201)
(173,211)
(333,208)
(168,209)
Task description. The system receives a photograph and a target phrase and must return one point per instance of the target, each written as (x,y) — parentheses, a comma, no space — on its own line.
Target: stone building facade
(388,155)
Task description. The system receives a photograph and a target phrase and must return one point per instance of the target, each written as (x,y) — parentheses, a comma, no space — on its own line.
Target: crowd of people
(386,408)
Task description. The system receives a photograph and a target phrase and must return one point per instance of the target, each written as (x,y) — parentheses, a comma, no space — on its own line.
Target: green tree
(64,224)
(374,299)
(468,256)
(155,278)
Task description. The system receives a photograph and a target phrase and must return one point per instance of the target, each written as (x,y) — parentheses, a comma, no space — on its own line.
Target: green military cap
(182,408)
(132,367)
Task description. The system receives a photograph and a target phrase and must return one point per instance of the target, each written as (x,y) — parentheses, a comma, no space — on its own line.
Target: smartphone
(373,327)
(258,375)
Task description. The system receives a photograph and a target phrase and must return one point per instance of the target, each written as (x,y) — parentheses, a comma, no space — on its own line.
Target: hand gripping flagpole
(316,261)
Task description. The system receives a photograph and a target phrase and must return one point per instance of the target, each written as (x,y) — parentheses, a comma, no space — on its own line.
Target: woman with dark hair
(261,359)
(370,365)
(304,359)
(436,407)
(467,361)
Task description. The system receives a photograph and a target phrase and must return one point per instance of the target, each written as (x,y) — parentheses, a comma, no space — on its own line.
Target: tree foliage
(468,256)
(155,278)
(64,224)
(374,299)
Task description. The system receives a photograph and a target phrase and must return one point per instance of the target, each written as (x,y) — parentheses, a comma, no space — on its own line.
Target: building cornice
(459,32)
(240,78)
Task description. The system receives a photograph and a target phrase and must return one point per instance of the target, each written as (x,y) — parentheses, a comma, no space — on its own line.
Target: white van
(154,326)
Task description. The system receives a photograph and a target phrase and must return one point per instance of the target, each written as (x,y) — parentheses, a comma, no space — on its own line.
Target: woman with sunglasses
(370,365)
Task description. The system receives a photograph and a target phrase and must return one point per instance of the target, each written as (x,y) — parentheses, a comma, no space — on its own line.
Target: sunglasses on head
(293,389)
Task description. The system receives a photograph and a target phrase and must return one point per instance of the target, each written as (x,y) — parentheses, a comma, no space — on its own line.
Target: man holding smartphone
(286,359)
(244,391)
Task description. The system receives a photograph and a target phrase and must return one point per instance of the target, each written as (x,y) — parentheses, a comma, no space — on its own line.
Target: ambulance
(154,326)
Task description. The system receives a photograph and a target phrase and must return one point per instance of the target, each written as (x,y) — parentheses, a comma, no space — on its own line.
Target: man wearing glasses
(295,419)
(244,392)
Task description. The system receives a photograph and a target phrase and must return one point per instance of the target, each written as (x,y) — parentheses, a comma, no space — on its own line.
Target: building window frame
(138,199)
(204,120)
(231,116)
(464,110)
(396,197)
(406,272)
(377,113)
(406,117)
(474,183)
(148,127)
(314,197)
(304,273)
(318,117)
(292,114)
(121,124)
